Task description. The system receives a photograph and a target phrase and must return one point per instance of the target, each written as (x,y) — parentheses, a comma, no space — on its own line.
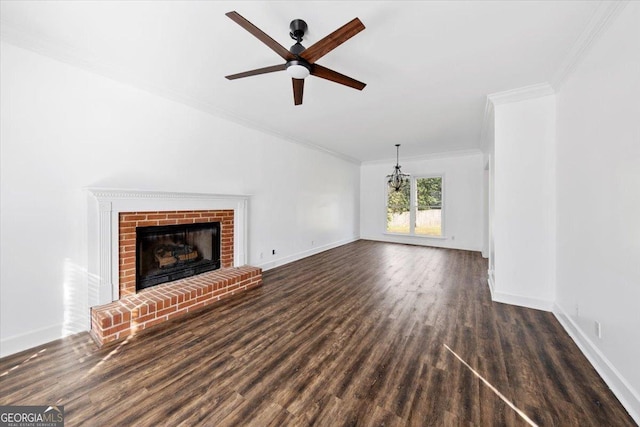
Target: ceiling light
(397,179)
(298,69)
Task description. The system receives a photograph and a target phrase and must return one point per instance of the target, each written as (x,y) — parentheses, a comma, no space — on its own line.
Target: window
(417,208)
(429,206)
(399,210)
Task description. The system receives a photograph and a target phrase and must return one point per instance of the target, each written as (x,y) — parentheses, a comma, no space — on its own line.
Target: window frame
(413,207)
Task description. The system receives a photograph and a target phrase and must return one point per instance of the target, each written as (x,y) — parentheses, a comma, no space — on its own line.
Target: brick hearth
(115,321)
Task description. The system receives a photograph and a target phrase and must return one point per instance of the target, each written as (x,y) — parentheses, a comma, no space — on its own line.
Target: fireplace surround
(118,309)
(104,223)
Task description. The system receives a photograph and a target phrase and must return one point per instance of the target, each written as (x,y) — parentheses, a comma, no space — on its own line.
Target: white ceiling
(428,65)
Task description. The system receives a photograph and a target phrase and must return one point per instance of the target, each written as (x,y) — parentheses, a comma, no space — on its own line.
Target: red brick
(166,311)
(117,318)
(109,339)
(157,216)
(126,229)
(175,216)
(147,223)
(186,304)
(128,242)
(115,329)
(105,322)
(129,258)
(204,298)
(132,217)
(127,291)
(145,318)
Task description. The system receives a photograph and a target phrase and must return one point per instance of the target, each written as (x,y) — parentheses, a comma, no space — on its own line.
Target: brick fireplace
(129,221)
(128,311)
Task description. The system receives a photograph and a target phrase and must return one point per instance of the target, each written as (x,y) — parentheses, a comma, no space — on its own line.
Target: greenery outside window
(417,209)
(399,209)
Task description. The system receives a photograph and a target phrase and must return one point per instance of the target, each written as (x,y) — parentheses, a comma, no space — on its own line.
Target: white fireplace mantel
(110,202)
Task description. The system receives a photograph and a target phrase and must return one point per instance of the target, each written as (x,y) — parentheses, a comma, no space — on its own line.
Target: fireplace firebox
(171,252)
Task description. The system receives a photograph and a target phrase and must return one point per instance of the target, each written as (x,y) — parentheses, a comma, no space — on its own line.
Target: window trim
(413,205)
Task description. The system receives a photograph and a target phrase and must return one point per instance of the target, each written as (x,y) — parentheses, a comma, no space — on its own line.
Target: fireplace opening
(171,252)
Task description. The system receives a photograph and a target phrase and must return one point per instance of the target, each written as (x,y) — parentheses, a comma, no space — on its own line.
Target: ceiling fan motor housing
(298,28)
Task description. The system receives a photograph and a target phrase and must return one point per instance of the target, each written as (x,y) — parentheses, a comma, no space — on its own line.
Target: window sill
(420,236)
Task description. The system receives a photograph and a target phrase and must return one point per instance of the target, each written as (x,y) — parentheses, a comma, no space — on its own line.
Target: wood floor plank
(352,336)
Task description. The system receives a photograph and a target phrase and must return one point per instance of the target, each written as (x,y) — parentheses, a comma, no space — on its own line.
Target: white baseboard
(300,255)
(30,339)
(625,393)
(439,242)
(522,301)
(491,281)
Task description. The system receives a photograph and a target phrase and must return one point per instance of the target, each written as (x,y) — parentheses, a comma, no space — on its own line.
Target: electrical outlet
(598,327)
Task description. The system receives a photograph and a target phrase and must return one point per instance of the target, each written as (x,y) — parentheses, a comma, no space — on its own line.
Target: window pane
(429,222)
(398,206)
(429,206)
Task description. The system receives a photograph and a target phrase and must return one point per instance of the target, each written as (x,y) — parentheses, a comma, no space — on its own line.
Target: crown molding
(506,97)
(521,94)
(9,33)
(600,20)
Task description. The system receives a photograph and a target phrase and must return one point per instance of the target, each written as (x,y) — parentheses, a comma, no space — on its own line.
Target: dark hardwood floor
(364,334)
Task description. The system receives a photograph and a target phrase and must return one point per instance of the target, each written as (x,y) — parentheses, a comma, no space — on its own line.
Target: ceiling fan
(301,61)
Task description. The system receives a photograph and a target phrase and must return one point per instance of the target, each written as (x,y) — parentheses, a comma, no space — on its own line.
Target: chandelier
(397,179)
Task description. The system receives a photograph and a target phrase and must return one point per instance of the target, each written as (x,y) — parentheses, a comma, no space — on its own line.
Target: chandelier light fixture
(397,179)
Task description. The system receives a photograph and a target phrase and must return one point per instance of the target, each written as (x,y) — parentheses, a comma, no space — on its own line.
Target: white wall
(463,216)
(598,208)
(64,129)
(524,202)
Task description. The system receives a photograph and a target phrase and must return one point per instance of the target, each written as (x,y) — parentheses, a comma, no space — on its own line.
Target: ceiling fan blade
(332,41)
(298,88)
(260,35)
(334,76)
(257,71)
